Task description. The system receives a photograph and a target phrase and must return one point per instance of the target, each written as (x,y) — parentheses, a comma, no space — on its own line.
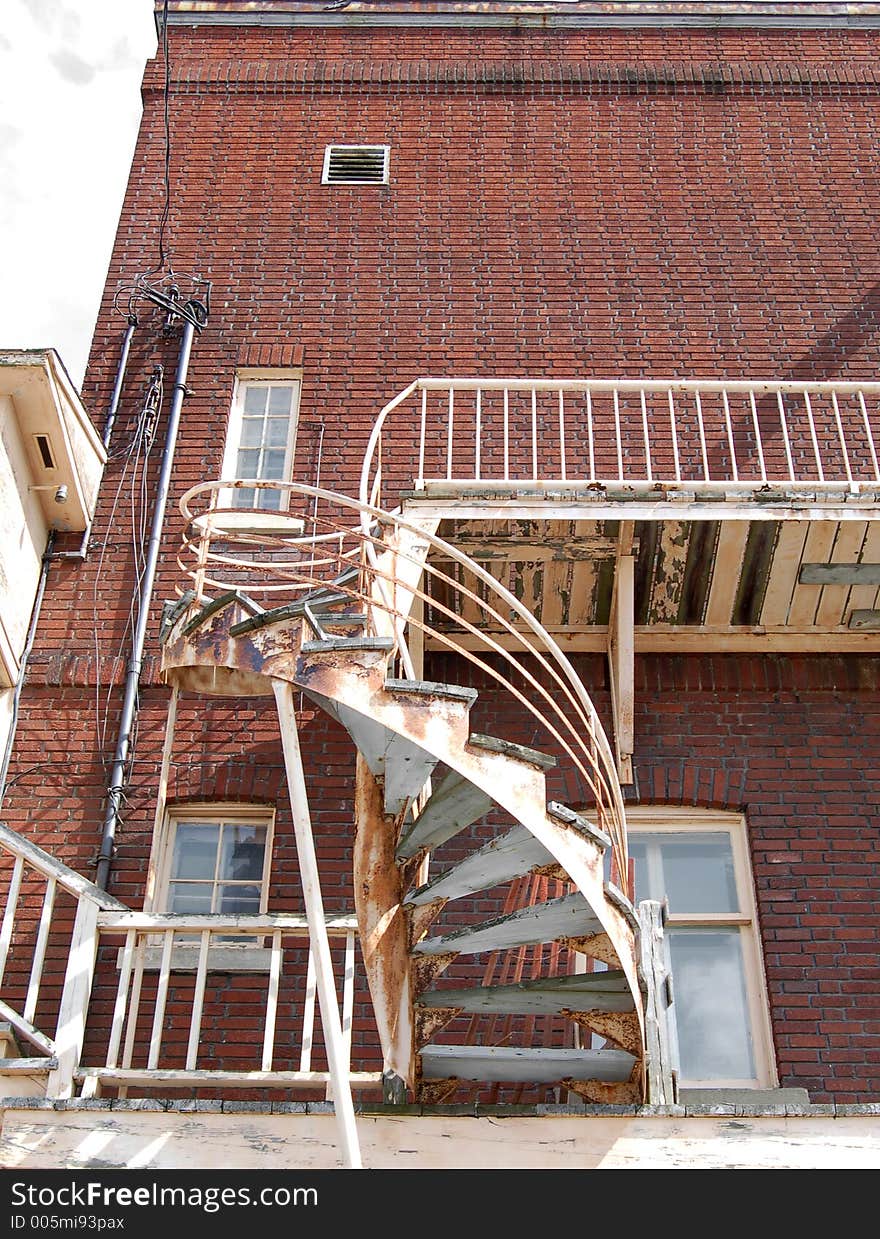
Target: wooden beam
(533,1063)
(621,651)
(705,639)
(535,550)
(839,574)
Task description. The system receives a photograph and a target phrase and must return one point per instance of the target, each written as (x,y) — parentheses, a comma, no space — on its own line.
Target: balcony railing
(158,1002)
(701,435)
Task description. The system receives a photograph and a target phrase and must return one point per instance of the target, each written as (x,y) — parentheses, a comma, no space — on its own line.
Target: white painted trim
(244,378)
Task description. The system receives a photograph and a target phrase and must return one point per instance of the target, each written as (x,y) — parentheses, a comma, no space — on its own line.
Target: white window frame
(670,820)
(244,378)
(357,146)
(211,813)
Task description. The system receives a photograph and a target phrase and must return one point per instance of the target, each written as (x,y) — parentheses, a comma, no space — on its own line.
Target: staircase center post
(308,864)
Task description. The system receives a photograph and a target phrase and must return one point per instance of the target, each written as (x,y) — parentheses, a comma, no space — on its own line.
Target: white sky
(70,73)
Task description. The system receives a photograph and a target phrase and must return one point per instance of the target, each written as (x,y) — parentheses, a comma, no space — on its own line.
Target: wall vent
(356,165)
(44,448)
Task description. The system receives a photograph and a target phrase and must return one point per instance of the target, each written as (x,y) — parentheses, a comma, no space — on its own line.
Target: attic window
(356,165)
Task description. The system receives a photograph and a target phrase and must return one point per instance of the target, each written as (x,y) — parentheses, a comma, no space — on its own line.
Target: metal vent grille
(355,165)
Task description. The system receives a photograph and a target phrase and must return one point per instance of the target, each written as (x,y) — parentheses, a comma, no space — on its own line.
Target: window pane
(279,401)
(276,432)
(195,851)
(239,899)
(248,463)
(254,398)
(698,872)
(190,897)
(711,1012)
(252,431)
(273,466)
(244,497)
(694,871)
(242,852)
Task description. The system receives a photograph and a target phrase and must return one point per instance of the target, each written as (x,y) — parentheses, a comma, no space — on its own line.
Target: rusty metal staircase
(346,599)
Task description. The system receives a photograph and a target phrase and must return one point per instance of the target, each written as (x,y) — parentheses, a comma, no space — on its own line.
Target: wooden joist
(537,1064)
(568,917)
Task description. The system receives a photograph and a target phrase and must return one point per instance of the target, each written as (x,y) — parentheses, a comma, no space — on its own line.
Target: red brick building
(631,249)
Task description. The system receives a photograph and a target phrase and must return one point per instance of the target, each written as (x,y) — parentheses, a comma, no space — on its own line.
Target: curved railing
(353,550)
(715,435)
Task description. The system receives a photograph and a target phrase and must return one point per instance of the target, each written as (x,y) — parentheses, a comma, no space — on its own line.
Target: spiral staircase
(452,826)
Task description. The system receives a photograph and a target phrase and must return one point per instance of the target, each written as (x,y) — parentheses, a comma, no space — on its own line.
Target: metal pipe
(135,663)
(23,662)
(117,386)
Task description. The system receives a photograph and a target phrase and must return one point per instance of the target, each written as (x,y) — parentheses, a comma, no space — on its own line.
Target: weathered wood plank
(669,571)
(840,573)
(783,570)
(539,1063)
(817,549)
(454,805)
(501,860)
(586,991)
(848,543)
(568,917)
(697,578)
(866,597)
(729,552)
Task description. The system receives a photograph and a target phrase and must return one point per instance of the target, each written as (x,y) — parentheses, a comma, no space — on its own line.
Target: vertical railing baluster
(272,1002)
(646,435)
(305,1055)
(161,1000)
(348,994)
(450,432)
(617,435)
(195,1023)
(869,435)
(479,439)
(9,912)
(121,1004)
(590,435)
(730,441)
(674,431)
(534,435)
(702,428)
(506,435)
(842,437)
(815,441)
(562,465)
(73,1009)
(30,1005)
(784,422)
(759,443)
(422,436)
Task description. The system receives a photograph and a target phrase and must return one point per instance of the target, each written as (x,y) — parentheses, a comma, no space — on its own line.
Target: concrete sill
(234,957)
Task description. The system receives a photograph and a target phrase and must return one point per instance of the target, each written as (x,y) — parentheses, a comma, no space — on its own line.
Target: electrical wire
(166,207)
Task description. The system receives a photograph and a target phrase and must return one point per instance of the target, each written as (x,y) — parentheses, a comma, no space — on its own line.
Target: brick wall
(561,203)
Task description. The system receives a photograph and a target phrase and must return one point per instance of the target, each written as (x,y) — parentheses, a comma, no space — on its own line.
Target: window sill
(184,958)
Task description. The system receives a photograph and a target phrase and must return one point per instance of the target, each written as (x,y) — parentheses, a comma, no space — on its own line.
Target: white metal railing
(447,598)
(641,434)
(176,1020)
(168,979)
(37,878)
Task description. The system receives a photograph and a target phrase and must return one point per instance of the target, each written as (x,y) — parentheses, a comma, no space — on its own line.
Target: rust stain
(596,1093)
(597,946)
(421,918)
(426,968)
(622,1028)
(556,872)
(435,1092)
(429,1020)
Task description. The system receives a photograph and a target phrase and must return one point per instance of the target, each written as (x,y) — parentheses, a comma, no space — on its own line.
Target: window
(700,863)
(356,165)
(261,438)
(217,861)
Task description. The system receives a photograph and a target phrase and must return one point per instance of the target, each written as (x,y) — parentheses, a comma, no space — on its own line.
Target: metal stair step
(538,1064)
(210,608)
(562,813)
(427,688)
(334,645)
(567,917)
(583,991)
(515,853)
(453,806)
(493,744)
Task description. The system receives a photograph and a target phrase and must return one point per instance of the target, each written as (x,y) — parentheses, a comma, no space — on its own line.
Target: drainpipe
(194,313)
(117,386)
(23,662)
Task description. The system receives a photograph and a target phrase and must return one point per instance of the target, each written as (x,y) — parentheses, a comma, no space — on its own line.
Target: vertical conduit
(194,312)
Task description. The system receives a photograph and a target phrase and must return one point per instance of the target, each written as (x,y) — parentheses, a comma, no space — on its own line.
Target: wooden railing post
(75,996)
(659,1063)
